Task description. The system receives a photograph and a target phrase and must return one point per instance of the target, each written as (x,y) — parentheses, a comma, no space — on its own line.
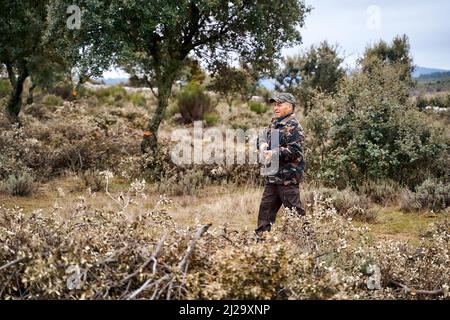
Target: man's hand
(268,154)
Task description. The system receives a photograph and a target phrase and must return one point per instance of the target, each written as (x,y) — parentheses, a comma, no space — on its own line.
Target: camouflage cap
(283,97)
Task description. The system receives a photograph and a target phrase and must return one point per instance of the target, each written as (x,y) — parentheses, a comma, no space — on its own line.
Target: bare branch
(184,263)
(413,291)
(9,264)
(147,262)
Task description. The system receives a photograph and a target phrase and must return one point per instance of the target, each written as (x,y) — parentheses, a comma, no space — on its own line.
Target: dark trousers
(273,197)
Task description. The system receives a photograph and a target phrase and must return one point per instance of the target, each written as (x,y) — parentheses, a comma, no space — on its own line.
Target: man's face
(281,109)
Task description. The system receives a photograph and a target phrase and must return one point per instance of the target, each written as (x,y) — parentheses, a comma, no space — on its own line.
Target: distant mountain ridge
(423,71)
(419,72)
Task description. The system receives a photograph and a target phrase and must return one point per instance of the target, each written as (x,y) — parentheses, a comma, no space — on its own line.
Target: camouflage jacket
(289,151)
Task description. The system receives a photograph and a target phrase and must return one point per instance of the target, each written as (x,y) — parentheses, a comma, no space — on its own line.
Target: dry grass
(238,207)
(226,204)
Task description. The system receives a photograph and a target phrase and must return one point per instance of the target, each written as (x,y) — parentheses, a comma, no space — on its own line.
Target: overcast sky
(354,24)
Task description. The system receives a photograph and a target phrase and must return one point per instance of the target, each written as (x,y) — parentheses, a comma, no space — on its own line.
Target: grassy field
(235,206)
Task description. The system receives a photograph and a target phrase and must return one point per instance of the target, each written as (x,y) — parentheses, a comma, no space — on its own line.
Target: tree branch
(151,87)
(9,264)
(147,262)
(413,291)
(184,263)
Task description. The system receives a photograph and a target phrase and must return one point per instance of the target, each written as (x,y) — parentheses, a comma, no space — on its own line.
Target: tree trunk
(15,101)
(11,74)
(150,139)
(30,91)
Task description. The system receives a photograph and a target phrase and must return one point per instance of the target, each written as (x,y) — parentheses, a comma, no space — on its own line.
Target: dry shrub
(52,100)
(347,202)
(188,182)
(431,194)
(79,142)
(92,253)
(187,179)
(383,192)
(259,271)
(19,185)
(92,180)
(425,266)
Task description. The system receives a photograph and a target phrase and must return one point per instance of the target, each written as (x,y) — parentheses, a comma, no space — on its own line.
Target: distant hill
(114,81)
(422,71)
(436,76)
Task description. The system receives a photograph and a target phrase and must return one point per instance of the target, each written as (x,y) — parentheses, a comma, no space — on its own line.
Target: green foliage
(321,70)
(19,185)
(435,100)
(193,102)
(258,107)
(137,99)
(52,100)
(172,109)
(5,88)
(159,54)
(231,83)
(372,135)
(117,92)
(211,118)
(29,47)
(193,72)
(396,55)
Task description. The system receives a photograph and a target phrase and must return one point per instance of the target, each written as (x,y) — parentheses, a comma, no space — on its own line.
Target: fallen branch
(182,266)
(414,292)
(9,264)
(170,277)
(147,262)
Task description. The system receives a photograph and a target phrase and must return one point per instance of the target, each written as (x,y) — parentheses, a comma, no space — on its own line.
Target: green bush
(19,185)
(5,88)
(52,100)
(211,118)
(137,99)
(172,109)
(258,107)
(193,102)
(435,100)
(111,94)
(374,136)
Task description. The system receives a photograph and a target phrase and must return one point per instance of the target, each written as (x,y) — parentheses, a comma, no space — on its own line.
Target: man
(282,186)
